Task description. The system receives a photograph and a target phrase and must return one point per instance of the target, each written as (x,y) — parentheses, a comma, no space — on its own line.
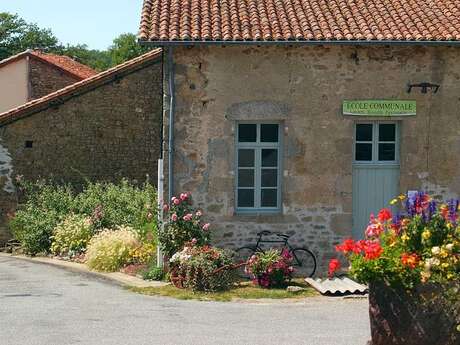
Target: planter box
(421,317)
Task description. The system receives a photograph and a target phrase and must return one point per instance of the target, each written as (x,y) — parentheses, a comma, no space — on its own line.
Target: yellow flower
(405,237)
(402,197)
(444,265)
(426,235)
(394,202)
(444,253)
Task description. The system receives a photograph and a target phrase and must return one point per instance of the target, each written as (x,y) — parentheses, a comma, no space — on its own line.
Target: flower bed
(108,226)
(271,268)
(406,253)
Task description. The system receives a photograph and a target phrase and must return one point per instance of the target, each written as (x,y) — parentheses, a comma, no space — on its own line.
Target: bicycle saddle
(264,233)
(283,236)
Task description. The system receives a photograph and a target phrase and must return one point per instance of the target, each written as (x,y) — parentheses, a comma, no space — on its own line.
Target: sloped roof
(66,93)
(300,20)
(64,63)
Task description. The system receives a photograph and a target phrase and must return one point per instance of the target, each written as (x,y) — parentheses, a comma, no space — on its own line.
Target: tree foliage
(17,35)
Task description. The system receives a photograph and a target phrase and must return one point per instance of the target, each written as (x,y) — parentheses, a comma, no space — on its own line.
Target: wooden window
(376,143)
(258,176)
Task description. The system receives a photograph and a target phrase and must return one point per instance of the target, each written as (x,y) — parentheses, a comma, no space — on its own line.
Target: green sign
(380,108)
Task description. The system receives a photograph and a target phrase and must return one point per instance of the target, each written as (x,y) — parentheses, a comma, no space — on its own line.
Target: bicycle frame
(285,242)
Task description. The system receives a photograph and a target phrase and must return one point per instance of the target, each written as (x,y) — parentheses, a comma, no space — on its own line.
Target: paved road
(41,304)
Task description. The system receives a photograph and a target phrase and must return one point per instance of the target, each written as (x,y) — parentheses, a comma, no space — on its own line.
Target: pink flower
(194,241)
(175,201)
(184,196)
(206,227)
(188,217)
(166,207)
(174,217)
(199,213)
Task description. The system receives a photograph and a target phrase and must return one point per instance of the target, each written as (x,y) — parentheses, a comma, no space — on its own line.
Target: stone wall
(303,87)
(45,78)
(105,134)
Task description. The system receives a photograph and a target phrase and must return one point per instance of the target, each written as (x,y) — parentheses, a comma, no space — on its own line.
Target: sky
(92,22)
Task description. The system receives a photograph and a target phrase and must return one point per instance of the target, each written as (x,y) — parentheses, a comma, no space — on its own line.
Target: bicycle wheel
(243,254)
(304,262)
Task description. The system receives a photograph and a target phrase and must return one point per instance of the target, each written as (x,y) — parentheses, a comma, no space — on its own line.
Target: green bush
(110,205)
(45,204)
(110,250)
(71,236)
(44,207)
(154,273)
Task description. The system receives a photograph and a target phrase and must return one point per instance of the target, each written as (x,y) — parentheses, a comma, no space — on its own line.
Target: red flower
(410,260)
(372,250)
(384,215)
(334,265)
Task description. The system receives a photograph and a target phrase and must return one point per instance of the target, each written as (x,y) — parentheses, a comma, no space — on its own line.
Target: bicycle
(303,260)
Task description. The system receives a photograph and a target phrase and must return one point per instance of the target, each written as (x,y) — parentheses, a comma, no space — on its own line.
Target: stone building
(103,128)
(305,116)
(34,74)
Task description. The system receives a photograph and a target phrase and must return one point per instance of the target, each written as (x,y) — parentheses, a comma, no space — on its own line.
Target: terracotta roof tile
(67,63)
(88,83)
(288,20)
(64,63)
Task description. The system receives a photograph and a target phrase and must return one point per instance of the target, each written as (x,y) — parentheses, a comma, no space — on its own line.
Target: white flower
(436,250)
(449,247)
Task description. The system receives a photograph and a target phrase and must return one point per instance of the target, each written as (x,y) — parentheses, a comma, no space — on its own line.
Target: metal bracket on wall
(424,87)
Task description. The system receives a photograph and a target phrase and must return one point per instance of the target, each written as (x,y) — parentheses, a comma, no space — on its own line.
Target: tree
(124,48)
(16,35)
(96,59)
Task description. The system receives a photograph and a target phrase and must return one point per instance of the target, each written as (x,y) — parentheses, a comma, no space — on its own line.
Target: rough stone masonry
(303,87)
(106,133)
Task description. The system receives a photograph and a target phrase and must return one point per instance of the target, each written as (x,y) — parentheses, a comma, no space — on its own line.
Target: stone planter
(421,317)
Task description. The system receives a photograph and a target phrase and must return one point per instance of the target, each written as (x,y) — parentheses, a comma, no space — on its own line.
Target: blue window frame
(258,167)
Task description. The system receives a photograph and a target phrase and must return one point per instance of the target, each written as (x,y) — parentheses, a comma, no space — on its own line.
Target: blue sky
(93,22)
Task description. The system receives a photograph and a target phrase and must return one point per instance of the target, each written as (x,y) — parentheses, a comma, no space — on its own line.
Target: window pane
(387,152)
(269,198)
(245,158)
(245,197)
(364,132)
(269,157)
(269,133)
(363,152)
(387,132)
(247,133)
(245,178)
(269,177)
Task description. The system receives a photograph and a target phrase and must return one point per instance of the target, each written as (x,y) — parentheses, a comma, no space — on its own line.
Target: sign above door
(380,108)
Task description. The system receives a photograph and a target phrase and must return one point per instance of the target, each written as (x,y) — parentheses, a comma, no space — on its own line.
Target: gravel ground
(40,304)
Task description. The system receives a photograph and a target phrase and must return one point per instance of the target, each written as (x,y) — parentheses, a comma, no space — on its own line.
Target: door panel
(375,171)
(373,189)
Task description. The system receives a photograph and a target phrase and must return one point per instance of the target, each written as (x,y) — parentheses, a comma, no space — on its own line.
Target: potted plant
(270,268)
(411,261)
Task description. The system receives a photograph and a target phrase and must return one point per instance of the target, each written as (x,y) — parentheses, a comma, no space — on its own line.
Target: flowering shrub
(419,245)
(144,253)
(182,224)
(110,250)
(203,268)
(71,236)
(270,268)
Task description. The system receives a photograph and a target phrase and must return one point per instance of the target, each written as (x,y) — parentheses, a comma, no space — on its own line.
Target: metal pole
(160,202)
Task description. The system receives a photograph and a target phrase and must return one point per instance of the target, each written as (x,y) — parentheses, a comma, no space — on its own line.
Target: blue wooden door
(375,171)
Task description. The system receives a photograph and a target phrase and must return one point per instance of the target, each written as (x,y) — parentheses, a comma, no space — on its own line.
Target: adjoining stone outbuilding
(34,74)
(103,128)
(304,116)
